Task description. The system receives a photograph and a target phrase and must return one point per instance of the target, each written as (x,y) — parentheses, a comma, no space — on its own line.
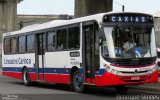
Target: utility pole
(123,8)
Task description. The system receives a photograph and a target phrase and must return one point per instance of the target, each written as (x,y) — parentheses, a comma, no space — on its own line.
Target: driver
(129,44)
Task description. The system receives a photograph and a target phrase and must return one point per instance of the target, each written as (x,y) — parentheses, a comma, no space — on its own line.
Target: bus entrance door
(90,52)
(40,56)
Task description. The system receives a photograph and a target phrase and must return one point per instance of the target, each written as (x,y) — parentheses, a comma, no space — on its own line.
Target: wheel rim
(25,77)
(78,80)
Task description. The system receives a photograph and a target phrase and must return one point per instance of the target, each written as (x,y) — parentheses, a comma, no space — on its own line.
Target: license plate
(135,78)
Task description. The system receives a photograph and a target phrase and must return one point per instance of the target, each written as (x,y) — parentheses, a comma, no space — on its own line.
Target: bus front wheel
(77,82)
(26,80)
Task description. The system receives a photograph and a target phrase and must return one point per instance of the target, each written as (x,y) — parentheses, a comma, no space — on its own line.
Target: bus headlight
(154,68)
(113,71)
(108,68)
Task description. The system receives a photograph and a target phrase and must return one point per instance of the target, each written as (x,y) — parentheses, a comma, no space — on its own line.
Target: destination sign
(128,18)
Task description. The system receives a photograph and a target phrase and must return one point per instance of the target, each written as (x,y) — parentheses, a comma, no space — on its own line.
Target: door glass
(91,50)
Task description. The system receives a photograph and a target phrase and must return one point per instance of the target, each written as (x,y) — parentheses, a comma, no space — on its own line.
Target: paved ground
(11,89)
(148,87)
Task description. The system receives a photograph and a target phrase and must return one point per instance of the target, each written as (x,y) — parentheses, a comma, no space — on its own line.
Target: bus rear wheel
(26,80)
(77,82)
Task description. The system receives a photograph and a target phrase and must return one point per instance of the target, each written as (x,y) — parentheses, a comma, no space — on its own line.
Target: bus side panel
(58,66)
(56,63)
(32,76)
(13,65)
(57,78)
(16,75)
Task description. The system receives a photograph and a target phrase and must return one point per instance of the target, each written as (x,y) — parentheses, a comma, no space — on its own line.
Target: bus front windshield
(128,42)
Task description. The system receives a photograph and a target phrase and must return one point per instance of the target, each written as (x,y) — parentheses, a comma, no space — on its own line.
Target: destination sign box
(128,18)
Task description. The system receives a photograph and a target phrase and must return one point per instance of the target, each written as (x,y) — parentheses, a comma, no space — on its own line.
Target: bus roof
(56,23)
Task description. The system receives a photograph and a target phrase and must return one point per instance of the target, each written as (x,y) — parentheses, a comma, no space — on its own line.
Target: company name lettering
(128,19)
(17,61)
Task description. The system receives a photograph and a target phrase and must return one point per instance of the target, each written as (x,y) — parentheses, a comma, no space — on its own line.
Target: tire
(121,89)
(77,82)
(26,80)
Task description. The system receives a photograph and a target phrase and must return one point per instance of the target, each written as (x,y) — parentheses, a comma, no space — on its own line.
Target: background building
(26,20)
(157,27)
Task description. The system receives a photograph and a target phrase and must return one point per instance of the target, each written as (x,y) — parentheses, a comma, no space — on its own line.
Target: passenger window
(22,44)
(74,38)
(51,43)
(62,39)
(7,46)
(13,45)
(30,43)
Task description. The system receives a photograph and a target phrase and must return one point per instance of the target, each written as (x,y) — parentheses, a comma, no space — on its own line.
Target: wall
(157,30)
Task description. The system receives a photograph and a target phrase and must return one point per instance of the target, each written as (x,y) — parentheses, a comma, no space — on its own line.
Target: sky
(57,7)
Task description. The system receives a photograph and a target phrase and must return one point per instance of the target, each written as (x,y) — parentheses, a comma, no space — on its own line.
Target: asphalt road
(11,89)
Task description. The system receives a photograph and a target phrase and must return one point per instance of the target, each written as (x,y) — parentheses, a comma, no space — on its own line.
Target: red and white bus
(107,49)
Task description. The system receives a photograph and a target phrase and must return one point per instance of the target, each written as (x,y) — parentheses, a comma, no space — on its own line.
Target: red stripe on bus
(107,79)
(16,75)
(52,78)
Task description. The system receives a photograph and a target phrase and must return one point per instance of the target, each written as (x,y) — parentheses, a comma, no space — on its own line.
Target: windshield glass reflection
(128,42)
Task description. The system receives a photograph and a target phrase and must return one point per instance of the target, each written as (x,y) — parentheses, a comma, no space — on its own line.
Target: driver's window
(104,47)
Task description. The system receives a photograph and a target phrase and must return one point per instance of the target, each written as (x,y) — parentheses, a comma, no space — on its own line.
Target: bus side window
(22,44)
(13,45)
(30,43)
(7,46)
(62,39)
(51,41)
(74,38)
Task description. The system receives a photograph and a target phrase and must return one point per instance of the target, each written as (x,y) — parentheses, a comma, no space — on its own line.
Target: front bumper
(108,79)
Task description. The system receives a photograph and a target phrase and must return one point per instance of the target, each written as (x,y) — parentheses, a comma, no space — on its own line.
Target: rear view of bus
(128,50)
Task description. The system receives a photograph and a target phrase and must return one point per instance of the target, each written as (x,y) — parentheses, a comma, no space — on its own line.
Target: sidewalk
(148,87)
